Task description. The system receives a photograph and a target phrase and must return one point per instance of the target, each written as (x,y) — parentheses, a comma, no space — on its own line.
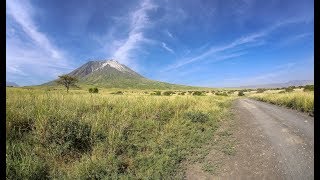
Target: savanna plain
(121,134)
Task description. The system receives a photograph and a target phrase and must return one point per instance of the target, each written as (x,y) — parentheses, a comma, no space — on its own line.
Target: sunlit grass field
(78,135)
(299,100)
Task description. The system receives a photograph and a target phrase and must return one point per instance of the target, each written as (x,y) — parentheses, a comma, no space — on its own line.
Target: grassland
(77,135)
(298,99)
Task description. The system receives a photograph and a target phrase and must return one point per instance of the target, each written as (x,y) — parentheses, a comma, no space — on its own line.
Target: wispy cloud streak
(29,53)
(22,12)
(164,45)
(139,21)
(249,39)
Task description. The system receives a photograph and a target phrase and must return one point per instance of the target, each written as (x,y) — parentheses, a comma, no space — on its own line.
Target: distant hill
(280,85)
(11,84)
(112,74)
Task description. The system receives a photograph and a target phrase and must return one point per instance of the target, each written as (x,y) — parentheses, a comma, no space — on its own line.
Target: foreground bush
(67,136)
(23,163)
(197,116)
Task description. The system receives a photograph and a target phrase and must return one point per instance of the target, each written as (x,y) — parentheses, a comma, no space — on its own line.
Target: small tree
(240,93)
(67,81)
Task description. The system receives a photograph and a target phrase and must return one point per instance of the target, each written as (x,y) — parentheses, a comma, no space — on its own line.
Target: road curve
(290,133)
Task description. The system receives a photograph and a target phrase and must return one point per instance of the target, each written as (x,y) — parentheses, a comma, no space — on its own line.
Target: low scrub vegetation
(240,93)
(221,94)
(60,135)
(308,88)
(198,93)
(260,90)
(93,90)
(168,93)
(303,101)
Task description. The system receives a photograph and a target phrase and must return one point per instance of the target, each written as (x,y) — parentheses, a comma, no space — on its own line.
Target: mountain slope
(112,74)
(12,84)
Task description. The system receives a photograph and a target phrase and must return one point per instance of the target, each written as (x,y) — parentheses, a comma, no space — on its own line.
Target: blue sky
(211,43)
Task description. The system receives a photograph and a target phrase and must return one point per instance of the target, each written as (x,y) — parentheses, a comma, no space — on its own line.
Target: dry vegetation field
(131,135)
(297,99)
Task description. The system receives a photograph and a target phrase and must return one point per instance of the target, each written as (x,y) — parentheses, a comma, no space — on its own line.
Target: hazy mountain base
(52,134)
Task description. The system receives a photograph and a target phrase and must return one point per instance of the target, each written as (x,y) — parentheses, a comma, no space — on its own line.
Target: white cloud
(31,57)
(169,34)
(139,21)
(21,12)
(164,45)
(249,39)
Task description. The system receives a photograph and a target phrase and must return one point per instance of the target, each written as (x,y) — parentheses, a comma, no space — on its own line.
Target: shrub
(308,88)
(168,93)
(67,136)
(19,127)
(198,93)
(281,92)
(240,93)
(182,93)
(260,90)
(221,94)
(23,163)
(93,90)
(197,116)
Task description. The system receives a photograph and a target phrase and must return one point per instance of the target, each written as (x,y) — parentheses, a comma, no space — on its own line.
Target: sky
(212,43)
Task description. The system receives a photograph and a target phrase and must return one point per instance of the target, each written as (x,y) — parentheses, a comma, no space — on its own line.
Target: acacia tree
(67,81)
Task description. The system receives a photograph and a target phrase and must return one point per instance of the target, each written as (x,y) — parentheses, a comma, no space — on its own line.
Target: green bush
(221,94)
(67,136)
(168,93)
(197,116)
(281,92)
(260,90)
(19,127)
(240,93)
(198,93)
(308,88)
(93,90)
(23,163)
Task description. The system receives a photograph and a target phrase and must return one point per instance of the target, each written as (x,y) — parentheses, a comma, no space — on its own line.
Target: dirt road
(271,142)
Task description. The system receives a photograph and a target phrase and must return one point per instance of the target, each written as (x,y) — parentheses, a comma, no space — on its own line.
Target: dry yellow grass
(104,136)
(302,101)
